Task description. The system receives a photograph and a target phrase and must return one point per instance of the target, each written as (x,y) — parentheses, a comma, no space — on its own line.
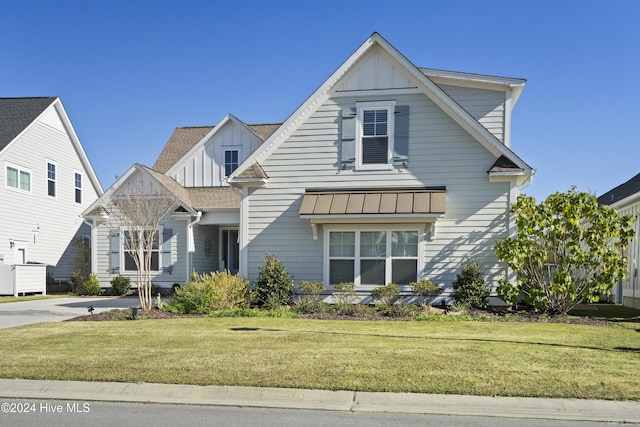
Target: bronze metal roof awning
(362,203)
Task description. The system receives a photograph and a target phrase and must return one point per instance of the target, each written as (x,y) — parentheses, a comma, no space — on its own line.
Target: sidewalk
(510,407)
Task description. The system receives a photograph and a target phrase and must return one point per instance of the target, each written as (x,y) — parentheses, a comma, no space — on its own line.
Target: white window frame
(75,186)
(361,107)
(358,229)
(20,170)
(123,251)
(54,179)
(224,159)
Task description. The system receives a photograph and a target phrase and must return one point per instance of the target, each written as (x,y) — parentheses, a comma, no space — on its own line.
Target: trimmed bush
(208,292)
(425,289)
(120,285)
(274,286)
(310,301)
(344,293)
(386,294)
(92,285)
(470,287)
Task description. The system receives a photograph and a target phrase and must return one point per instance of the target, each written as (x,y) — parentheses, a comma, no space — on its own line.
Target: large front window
(135,244)
(374,258)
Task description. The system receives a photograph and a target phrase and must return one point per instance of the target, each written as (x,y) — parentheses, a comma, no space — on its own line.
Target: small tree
(138,209)
(274,285)
(470,286)
(569,249)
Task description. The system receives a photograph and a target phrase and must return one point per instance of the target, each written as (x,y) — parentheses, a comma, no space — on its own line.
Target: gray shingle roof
(622,191)
(184,138)
(17,113)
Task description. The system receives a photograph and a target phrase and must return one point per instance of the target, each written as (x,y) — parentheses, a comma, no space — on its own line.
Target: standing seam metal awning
(374,202)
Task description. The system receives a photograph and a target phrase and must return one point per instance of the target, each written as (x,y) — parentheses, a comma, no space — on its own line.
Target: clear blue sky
(129,72)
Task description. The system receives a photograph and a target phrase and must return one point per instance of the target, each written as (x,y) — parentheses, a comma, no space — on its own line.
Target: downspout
(191,246)
(94,244)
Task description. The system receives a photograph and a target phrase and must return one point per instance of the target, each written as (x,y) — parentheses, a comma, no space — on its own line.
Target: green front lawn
(457,357)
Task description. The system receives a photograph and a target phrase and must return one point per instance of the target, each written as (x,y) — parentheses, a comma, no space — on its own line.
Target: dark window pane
(340,270)
(372,272)
(374,150)
(78,195)
(51,188)
(404,271)
(129,262)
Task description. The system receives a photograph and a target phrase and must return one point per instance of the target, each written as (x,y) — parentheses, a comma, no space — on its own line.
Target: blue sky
(129,72)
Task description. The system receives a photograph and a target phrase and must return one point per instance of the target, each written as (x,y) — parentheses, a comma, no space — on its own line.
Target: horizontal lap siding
(440,154)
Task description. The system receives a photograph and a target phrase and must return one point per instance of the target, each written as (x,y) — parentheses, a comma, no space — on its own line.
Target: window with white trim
(374,134)
(133,243)
(373,257)
(77,180)
(51,179)
(18,178)
(230,161)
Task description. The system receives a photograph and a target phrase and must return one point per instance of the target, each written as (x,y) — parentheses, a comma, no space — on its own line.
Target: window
(18,178)
(78,187)
(51,179)
(230,161)
(374,139)
(374,258)
(134,242)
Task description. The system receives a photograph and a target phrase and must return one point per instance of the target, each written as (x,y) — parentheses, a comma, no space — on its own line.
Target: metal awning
(374,202)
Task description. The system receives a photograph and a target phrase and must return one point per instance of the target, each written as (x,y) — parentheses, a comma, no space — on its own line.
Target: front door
(230,251)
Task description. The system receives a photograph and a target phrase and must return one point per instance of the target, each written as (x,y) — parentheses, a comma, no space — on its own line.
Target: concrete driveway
(57,309)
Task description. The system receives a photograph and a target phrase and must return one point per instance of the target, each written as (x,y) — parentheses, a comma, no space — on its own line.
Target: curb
(286,398)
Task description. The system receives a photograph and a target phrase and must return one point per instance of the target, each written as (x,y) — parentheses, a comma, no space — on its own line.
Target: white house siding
(630,285)
(440,154)
(179,271)
(486,106)
(205,168)
(46,223)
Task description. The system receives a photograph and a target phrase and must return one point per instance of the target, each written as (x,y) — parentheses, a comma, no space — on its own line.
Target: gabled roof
(184,139)
(425,84)
(621,192)
(16,114)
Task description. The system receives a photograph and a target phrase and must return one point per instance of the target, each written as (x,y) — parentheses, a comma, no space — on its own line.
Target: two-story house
(46,183)
(386,173)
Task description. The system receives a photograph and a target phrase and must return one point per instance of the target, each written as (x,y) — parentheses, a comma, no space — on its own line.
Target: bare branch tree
(138,209)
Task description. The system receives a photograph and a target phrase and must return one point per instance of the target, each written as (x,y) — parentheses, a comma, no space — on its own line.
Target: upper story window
(18,178)
(374,134)
(230,161)
(51,179)
(78,186)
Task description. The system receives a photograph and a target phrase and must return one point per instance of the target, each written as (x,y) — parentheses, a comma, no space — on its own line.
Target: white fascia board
(109,192)
(626,201)
(29,125)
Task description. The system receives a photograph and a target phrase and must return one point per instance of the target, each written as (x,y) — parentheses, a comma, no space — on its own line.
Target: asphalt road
(27,413)
(56,309)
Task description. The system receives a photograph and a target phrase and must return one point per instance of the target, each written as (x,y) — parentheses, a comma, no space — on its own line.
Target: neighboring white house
(386,173)
(626,199)
(47,182)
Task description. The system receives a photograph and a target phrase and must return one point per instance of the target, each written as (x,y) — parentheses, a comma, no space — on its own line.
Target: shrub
(310,301)
(77,283)
(425,289)
(344,293)
(155,289)
(402,309)
(120,285)
(274,285)
(92,285)
(174,287)
(470,287)
(386,294)
(208,292)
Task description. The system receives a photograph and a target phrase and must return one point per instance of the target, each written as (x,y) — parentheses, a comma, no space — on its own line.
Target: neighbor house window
(133,243)
(374,138)
(230,161)
(78,186)
(51,179)
(18,178)
(373,257)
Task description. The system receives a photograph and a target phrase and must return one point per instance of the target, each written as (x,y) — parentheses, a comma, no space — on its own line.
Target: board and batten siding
(486,106)
(48,224)
(179,261)
(441,153)
(205,168)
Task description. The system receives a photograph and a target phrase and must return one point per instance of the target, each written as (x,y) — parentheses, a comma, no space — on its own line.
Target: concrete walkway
(56,309)
(514,407)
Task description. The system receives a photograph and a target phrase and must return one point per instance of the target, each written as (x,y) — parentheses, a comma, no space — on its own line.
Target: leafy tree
(568,249)
(274,286)
(470,286)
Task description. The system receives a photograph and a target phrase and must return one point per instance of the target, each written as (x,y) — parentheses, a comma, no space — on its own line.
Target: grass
(4,299)
(456,357)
